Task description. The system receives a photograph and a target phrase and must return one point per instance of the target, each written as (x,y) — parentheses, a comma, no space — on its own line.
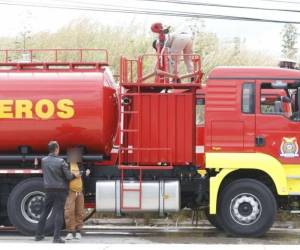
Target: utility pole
(25,36)
(25,32)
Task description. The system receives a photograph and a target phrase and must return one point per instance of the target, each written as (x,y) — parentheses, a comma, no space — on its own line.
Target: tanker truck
(227,144)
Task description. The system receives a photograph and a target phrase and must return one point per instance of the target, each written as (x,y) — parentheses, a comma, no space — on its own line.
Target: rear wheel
(25,205)
(247,207)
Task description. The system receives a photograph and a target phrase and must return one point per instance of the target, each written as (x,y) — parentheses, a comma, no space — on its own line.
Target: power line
(220,5)
(280,1)
(127,10)
(196,3)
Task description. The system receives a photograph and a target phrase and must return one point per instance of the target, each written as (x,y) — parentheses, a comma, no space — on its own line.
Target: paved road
(153,235)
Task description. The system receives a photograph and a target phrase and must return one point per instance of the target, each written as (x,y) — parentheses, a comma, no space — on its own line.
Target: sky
(264,37)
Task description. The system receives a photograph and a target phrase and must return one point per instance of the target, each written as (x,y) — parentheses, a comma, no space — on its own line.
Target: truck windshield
(280,100)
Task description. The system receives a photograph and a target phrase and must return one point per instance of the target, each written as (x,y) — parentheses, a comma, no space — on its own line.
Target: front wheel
(247,208)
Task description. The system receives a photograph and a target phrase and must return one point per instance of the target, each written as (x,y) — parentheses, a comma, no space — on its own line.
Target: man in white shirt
(174,44)
(180,42)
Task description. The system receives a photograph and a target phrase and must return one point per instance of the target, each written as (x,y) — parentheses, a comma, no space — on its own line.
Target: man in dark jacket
(56,175)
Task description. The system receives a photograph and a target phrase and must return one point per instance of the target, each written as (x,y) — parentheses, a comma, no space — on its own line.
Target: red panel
(166,131)
(234,129)
(227,129)
(200,146)
(277,130)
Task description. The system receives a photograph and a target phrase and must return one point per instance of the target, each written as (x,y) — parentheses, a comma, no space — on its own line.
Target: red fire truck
(228,146)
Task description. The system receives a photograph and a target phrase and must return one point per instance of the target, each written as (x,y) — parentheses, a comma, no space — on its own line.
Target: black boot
(58,240)
(39,237)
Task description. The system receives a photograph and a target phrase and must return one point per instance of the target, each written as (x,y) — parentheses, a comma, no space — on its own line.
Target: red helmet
(156,27)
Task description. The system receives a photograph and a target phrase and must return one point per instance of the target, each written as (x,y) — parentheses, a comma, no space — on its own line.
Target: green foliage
(289,41)
(135,39)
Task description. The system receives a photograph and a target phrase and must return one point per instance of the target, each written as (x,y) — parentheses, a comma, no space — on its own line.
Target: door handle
(260,141)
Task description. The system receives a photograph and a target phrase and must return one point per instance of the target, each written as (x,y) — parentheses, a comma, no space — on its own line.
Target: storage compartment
(162,127)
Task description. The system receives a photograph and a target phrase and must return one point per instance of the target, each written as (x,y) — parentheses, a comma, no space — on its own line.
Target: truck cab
(252,133)
(256,105)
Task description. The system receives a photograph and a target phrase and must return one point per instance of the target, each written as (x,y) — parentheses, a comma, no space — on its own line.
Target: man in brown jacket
(74,207)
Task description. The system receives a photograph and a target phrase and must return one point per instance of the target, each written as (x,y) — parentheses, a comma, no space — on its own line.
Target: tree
(289,41)
(237,46)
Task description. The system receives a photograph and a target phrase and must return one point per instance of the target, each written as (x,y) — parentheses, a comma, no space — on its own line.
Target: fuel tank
(152,196)
(73,108)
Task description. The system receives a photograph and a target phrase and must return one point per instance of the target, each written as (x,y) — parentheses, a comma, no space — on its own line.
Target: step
(295,212)
(129,130)
(129,112)
(293,176)
(153,167)
(132,190)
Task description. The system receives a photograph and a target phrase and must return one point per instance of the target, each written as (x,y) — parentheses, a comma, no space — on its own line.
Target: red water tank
(74,108)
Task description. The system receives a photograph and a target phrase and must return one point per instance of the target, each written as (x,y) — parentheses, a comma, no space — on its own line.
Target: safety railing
(129,70)
(161,69)
(56,59)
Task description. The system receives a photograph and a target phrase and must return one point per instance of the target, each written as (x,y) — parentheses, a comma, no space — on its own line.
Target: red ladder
(124,149)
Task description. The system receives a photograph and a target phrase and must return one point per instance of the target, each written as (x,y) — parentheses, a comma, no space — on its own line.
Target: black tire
(247,208)
(5,189)
(4,221)
(18,212)
(213,220)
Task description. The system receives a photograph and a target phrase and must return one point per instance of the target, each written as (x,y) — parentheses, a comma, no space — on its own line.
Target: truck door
(277,120)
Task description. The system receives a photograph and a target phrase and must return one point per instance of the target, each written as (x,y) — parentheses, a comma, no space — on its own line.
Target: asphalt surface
(163,235)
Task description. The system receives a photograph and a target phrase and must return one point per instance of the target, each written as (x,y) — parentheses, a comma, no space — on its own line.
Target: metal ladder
(124,148)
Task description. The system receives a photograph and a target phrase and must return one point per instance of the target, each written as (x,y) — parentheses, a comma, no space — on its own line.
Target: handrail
(55,53)
(162,75)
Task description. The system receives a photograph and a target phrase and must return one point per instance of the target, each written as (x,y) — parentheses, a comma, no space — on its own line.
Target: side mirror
(297,84)
(286,99)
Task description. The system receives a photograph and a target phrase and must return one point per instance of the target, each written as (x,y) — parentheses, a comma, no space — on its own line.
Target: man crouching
(74,206)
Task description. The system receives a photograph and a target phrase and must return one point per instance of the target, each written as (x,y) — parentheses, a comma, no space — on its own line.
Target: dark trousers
(55,201)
